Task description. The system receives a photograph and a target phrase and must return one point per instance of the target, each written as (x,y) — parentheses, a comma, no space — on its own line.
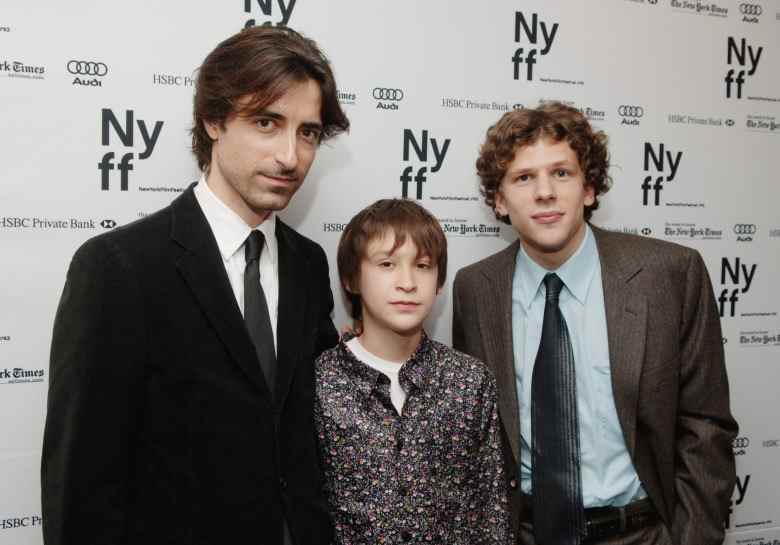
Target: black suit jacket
(160,428)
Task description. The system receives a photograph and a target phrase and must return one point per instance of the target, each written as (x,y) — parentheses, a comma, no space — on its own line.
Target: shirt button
(406,535)
(403,491)
(282,483)
(399,444)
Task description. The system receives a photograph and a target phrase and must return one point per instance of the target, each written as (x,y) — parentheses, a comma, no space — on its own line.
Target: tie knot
(253,246)
(554,286)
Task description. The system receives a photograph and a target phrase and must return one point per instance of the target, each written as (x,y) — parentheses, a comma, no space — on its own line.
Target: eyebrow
(556,164)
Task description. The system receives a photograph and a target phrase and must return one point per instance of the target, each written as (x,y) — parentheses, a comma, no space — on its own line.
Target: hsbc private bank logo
(88,73)
(742,53)
(127,137)
(417,172)
(267,10)
(539,38)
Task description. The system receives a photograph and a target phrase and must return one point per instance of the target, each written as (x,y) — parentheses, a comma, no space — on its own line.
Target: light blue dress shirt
(608,475)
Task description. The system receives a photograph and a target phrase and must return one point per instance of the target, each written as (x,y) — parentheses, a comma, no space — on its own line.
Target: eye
(523,179)
(561,173)
(311,135)
(385,264)
(265,124)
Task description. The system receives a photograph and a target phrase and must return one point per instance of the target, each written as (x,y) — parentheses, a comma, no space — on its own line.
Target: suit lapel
(293,300)
(494,316)
(626,329)
(201,267)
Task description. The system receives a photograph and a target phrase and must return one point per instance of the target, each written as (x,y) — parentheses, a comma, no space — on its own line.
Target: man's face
(259,162)
(544,194)
(397,289)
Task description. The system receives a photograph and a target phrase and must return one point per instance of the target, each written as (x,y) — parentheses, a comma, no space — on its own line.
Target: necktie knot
(554,285)
(253,246)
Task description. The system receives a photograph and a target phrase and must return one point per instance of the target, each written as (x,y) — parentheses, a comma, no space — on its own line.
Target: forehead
(541,153)
(300,101)
(387,242)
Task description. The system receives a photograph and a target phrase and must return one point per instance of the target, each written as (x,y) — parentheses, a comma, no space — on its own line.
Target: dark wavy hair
(524,127)
(261,62)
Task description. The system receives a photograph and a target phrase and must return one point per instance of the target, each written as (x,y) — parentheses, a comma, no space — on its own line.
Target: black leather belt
(604,522)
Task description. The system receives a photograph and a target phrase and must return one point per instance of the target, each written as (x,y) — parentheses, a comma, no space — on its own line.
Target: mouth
(405,305)
(280,179)
(547,217)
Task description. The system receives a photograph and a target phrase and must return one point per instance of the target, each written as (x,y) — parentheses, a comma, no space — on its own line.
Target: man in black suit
(181,390)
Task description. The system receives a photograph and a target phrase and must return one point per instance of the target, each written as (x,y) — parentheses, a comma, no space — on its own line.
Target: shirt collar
(416,370)
(576,272)
(229,229)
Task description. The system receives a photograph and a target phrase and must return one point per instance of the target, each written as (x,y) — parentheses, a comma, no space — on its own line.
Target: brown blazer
(668,373)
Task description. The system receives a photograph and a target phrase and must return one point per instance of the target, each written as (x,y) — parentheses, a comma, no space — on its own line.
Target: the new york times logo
(739,445)
(17,375)
(741,54)
(527,55)
(266,7)
(126,135)
(660,160)
(740,276)
(421,149)
(14,523)
(740,491)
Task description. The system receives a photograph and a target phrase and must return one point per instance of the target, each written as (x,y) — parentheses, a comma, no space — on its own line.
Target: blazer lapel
(494,316)
(201,267)
(626,329)
(293,301)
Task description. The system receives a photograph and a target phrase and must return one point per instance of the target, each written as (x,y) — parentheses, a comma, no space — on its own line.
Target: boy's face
(544,194)
(397,289)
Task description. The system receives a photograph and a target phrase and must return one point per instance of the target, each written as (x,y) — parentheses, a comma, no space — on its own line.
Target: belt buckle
(612,522)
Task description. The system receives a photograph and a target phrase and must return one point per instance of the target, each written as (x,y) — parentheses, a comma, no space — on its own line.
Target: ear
(590,195)
(212,129)
(500,206)
(345,284)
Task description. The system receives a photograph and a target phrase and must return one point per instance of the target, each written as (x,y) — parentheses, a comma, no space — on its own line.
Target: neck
(390,345)
(552,260)
(230,197)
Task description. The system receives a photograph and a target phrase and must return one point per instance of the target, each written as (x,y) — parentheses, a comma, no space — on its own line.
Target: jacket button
(513,484)
(282,483)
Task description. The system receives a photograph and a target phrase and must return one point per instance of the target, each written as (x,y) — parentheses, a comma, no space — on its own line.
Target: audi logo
(87,68)
(382,93)
(730,122)
(108,224)
(740,442)
(744,229)
(646,231)
(631,111)
(750,9)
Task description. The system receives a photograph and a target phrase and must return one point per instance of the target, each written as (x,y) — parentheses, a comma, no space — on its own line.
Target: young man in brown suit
(606,348)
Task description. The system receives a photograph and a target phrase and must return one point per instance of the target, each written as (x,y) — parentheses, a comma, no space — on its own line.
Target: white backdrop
(688,92)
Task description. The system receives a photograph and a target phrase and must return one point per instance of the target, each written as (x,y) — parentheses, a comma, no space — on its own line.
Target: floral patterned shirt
(433,474)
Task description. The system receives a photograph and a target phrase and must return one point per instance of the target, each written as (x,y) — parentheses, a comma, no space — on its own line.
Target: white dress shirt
(231,233)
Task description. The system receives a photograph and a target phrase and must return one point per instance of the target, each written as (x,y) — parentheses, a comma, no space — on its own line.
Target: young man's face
(259,162)
(544,194)
(397,289)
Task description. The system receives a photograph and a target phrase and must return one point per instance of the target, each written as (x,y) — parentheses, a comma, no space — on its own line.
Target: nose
(287,150)
(406,281)
(544,187)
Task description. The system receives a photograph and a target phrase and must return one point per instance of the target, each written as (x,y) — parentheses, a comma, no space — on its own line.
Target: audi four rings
(745,229)
(740,442)
(382,93)
(87,68)
(750,9)
(631,111)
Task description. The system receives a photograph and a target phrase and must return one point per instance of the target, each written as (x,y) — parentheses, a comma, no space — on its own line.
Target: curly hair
(524,127)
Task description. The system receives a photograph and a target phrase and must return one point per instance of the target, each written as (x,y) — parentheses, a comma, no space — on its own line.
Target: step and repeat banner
(96,98)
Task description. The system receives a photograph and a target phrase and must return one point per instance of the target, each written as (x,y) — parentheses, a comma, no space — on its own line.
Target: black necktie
(256,316)
(558,515)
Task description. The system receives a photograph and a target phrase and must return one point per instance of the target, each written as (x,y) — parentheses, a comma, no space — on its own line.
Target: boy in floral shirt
(408,427)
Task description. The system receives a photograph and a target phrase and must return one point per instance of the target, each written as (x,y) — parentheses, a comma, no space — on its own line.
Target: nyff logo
(742,54)
(740,491)
(531,32)
(126,137)
(421,151)
(266,6)
(738,273)
(659,160)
